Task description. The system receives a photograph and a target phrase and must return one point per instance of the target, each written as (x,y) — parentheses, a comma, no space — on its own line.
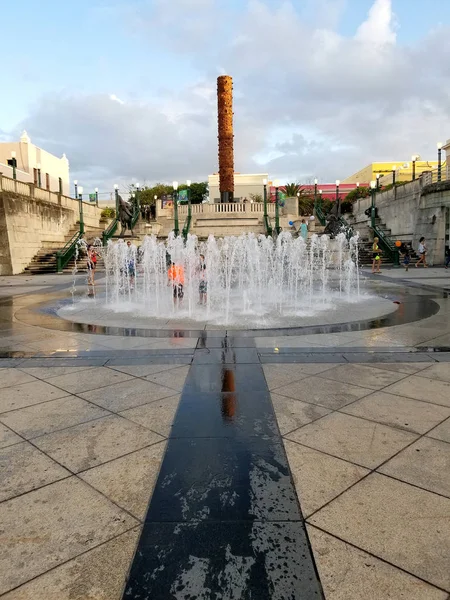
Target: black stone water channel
(224,520)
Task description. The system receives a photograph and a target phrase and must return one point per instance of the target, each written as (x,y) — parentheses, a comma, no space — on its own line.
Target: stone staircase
(45,260)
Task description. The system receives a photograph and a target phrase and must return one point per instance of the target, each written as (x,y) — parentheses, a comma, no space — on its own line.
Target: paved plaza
(173,463)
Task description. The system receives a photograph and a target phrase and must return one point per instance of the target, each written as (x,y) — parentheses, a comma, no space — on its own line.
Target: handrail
(186,227)
(387,246)
(267,225)
(320,214)
(64,255)
(110,231)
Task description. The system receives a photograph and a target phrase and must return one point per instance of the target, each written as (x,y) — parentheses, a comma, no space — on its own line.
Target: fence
(227,207)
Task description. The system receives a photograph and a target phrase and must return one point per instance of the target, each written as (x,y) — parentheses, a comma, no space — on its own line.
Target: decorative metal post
(265,200)
(14,164)
(60,186)
(75,183)
(188,183)
(338,213)
(372,209)
(138,201)
(80,199)
(378,182)
(176,229)
(394,172)
(315,195)
(439,146)
(96,197)
(277,209)
(414,158)
(116,194)
(226,137)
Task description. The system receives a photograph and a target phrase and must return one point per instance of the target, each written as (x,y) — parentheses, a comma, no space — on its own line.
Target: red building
(328,190)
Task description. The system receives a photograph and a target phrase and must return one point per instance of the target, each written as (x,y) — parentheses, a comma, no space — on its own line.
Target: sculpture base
(226,197)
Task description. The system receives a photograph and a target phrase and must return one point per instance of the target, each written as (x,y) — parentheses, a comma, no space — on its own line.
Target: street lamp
(276,183)
(38,166)
(75,183)
(116,195)
(357,184)
(96,196)
(394,172)
(315,194)
(175,208)
(338,183)
(439,147)
(188,183)
(378,181)
(14,163)
(373,186)
(414,158)
(80,199)
(265,201)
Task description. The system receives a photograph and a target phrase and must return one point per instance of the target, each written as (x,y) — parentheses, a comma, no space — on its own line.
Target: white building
(245,186)
(35,165)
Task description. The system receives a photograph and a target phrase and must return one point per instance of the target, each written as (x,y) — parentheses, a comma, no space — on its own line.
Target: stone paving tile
(347,573)
(441,432)
(439,371)
(421,388)
(397,522)
(24,468)
(52,525)
(90,444)
(27,394)
(8,437)
(129,481)
(408,368)
(331,394)
(426,464)
(174,379)
(318,477)
(157,416)
(141,370)
(48,417)
(128,394)
(362,375)
(10,377)
(366,443)
(49,372)
(93,379)
(95,575)
(292,414)
(396,411)
(281,375)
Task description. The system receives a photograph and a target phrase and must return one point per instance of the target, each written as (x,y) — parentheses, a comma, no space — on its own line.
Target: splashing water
(250,279)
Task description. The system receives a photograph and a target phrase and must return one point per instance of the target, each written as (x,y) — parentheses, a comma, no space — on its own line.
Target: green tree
(358,192)
(199,191)
(292,189)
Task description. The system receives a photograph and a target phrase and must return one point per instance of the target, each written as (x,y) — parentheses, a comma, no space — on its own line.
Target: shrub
(108,213)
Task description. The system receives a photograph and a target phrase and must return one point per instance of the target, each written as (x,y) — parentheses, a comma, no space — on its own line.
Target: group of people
(175,276)
(405,251)
(148,212)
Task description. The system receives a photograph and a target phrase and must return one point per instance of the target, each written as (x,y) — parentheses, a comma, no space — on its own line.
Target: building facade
(34,165)
(245,186)
(384,169)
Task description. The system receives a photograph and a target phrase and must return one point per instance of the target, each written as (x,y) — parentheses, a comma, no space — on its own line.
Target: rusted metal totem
(226,137)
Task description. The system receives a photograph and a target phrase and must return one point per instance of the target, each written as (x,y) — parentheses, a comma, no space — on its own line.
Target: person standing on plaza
(376,263)
(304,230)
(422,251)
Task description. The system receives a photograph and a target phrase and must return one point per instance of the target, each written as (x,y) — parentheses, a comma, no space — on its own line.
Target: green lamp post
(276,183)
(176,229)
(80,200)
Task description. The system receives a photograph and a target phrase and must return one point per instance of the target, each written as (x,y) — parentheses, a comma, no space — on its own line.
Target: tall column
(226,137)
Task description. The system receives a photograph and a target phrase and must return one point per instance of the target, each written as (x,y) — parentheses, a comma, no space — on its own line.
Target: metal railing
(186,227)
(437,175)
(64,255)
(387,246)
(320,214)
(110,231)
(268,225)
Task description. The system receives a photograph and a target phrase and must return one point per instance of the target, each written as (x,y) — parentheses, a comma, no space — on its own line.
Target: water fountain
(252,280)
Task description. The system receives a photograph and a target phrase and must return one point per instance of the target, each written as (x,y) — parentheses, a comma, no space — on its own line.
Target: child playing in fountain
(203,285)
(176,278)
(406,256)
(376,256)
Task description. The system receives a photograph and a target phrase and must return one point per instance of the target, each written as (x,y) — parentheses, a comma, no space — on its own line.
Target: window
(35,176)
(47,181)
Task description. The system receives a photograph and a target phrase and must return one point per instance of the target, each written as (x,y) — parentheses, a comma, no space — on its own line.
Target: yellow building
(384,170)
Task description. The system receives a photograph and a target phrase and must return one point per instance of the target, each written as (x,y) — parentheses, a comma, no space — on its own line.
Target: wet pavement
(304,463)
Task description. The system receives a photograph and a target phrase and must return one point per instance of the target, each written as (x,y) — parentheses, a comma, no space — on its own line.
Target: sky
(127,88)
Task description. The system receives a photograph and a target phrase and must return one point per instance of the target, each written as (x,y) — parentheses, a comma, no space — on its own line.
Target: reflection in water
(228,382)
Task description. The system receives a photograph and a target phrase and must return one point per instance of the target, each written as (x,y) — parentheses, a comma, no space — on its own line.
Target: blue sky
(83,48)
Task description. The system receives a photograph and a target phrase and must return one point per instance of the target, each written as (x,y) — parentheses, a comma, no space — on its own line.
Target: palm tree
(292,189)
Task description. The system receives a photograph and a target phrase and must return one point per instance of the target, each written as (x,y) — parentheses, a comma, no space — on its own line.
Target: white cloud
(308,101)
